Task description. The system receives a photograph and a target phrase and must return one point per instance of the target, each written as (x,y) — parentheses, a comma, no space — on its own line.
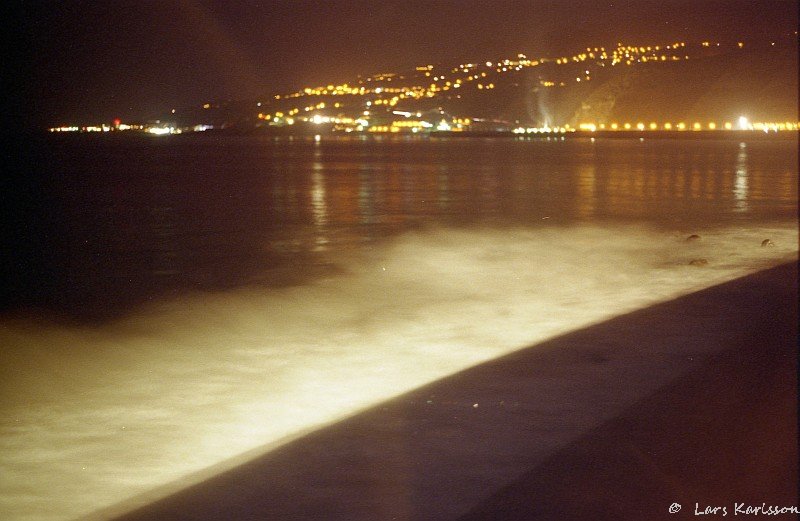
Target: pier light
(614,126)
(627,126)
(653,126)
(712,126)
(640,126)
(744,123)
(697,126)
(667,126)
(681,126)
(728,125)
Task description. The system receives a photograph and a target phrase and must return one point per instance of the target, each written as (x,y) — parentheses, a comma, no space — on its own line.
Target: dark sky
(90,61)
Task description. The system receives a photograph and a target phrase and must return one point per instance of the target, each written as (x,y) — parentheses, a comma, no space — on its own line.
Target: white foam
(94,416)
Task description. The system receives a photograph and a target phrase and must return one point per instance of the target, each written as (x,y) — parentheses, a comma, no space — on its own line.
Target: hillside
(762,85)
(676,83)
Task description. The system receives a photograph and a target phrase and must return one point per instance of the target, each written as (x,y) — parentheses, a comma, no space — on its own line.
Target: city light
(443,126)
(744,123)
(160,131)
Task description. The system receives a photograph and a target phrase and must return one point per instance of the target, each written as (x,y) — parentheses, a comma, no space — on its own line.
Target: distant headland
(698,89)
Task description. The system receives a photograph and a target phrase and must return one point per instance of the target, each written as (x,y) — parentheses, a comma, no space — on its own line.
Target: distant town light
(744,123)
(443,126)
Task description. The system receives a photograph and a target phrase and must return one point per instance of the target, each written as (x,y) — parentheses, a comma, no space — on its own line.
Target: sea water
(189,300)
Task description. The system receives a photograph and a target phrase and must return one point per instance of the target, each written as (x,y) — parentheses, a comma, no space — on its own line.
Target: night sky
(91,61)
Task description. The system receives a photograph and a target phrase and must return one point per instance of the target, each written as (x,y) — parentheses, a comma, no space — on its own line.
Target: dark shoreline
(727,135)
(721,135)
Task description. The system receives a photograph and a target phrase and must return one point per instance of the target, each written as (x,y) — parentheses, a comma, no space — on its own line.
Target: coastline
(312,130)
(490,440)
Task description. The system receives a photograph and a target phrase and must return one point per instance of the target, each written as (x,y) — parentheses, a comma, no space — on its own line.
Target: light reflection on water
(443,254)
(740,189)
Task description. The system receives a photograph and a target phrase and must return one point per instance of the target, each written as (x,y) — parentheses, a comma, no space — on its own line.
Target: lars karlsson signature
(739,509)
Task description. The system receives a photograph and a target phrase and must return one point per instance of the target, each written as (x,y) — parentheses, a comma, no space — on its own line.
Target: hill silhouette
(759,84)
(696,85)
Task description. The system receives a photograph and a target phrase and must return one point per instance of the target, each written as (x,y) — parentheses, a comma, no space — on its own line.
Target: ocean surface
(174,303)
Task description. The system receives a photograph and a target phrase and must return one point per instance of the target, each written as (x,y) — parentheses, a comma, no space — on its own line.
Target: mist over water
(357,276)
